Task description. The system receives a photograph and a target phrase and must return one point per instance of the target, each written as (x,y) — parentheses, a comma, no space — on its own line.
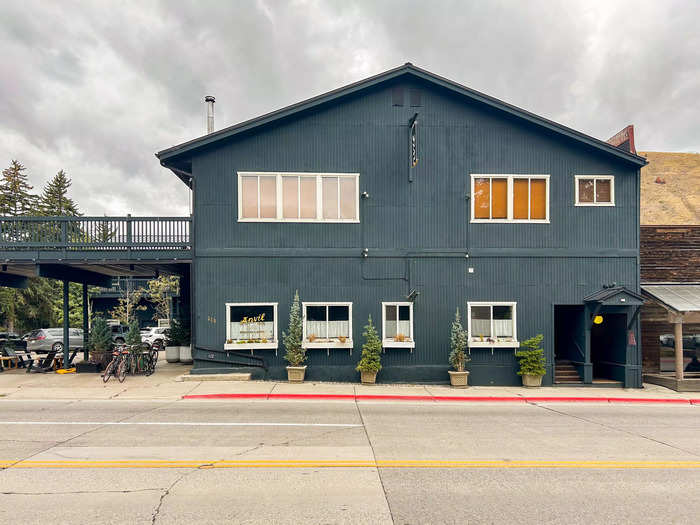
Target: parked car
(690,341)
(154,336)
(119,332)
(46,339)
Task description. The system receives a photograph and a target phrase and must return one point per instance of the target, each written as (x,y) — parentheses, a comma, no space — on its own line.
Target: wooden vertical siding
(418,234)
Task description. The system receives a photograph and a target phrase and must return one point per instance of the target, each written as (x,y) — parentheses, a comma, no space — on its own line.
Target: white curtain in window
(244,331)
(336,328)
(397,327)
(503,327)
(317,328)
(481,327)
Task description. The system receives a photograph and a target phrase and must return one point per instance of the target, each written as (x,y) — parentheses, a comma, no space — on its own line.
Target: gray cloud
(96,88)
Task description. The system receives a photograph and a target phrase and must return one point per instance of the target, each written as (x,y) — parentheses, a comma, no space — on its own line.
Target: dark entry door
(609,347)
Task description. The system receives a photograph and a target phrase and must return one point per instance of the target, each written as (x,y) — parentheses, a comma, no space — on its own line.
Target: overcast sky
(96,88)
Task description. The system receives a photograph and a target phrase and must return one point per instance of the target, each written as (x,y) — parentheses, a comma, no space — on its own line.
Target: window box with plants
(458,357)
(532,361)
(327,325)
(371,359)
(294,353)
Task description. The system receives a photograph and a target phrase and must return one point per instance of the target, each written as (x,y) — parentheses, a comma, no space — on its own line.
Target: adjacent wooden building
(404,197)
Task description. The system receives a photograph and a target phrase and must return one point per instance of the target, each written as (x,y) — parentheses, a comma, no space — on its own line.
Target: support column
(66,325)
(86,323)
(678,331)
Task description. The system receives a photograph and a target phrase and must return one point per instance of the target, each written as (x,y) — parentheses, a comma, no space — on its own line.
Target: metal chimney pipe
(210,113)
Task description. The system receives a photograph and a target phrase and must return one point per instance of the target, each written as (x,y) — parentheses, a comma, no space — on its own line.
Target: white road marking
(181,423)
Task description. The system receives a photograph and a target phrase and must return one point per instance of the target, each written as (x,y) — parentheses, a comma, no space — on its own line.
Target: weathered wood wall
(670,253)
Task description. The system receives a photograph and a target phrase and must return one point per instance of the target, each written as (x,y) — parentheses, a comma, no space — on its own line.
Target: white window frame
(271,345)
(595,178)
(319,196)
(389,342)
(348,344)
(509,178)
(495,344)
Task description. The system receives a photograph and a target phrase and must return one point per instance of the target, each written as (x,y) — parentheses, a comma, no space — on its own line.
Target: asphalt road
(344,462)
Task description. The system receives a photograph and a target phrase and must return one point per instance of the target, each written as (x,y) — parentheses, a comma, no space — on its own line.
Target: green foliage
(532,361)
(100,336)
(371,358)
(133,336)
(15,196)
(54,199)
(294,353)
(179,333)
(160,292)
(458,344)
(128,304)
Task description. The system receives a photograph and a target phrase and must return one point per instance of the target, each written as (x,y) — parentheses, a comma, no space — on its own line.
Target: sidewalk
(165,385)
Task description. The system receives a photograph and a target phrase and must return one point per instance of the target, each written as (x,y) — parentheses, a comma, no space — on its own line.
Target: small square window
(492,324)
(327,325)
(595,190)
(251,326)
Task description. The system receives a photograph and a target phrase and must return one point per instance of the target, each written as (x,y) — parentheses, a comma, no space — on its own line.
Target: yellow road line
(466,464)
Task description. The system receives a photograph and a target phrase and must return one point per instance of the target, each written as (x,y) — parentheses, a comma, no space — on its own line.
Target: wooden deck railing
(95,233)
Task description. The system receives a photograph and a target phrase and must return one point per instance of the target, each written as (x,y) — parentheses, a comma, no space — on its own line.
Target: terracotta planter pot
(172,354)
(532,381)
(186,354)
(295,374)
(458,379)
(368,378)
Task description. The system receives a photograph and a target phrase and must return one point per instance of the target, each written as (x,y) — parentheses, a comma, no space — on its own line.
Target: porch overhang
(680,300)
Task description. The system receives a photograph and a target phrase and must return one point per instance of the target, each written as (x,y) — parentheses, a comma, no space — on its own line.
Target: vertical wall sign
(413,145)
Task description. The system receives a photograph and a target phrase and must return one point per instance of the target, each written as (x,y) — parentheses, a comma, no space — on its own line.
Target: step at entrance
(565,372)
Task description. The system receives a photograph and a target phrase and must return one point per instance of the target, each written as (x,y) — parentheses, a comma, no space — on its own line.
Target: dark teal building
(406,196)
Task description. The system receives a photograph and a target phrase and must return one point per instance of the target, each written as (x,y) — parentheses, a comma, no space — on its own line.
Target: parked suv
(154,336)
(46,339)
(119,332)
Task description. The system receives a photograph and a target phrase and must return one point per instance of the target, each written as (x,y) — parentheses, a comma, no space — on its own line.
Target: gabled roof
(615,295)
(407,69)
(678,297)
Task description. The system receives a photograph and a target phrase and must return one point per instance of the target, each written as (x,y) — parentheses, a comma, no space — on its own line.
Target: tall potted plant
(172,342)
(100,342)
(294,354)
(532,361)
(185,341)
(458,357)
(371,358)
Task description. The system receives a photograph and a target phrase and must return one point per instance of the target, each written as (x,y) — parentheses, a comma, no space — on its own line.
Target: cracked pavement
(206,470)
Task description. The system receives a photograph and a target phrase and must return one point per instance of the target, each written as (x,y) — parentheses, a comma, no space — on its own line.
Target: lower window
(397,325)
(492,324)
(251,325)
(327,325)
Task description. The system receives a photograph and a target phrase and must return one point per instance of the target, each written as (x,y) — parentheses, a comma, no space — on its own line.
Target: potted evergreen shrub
(172,343)
(532,361)
(100,345)
(294,354)
(458,357)
(370,361)
(185,342)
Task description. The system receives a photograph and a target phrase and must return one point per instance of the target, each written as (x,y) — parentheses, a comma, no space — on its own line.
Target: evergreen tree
(15,192)
(100,336)
(371,359)
(294,354)
(458,343)
(55,201)
(133,336)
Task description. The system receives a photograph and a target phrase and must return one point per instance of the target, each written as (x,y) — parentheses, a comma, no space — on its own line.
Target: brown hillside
(677,201)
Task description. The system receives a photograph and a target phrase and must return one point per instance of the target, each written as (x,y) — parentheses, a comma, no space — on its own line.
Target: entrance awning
(615,296)
(681,298)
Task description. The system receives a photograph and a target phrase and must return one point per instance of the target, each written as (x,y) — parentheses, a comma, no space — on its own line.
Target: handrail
(580,350)
(259,362)
(95,233)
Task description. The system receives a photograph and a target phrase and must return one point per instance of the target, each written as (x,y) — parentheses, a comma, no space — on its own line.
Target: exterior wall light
(365,252)
(364,195)
(598,319)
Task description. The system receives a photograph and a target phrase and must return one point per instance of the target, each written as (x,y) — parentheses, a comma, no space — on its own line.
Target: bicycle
(118,365)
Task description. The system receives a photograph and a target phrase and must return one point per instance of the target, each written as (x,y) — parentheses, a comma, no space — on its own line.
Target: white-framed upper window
(510,198)
(595,190)
(298,197)
(327,325)
(492,324)
(251,326)
(397,325)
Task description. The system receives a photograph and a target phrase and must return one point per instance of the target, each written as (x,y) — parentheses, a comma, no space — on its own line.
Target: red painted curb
(465,399)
